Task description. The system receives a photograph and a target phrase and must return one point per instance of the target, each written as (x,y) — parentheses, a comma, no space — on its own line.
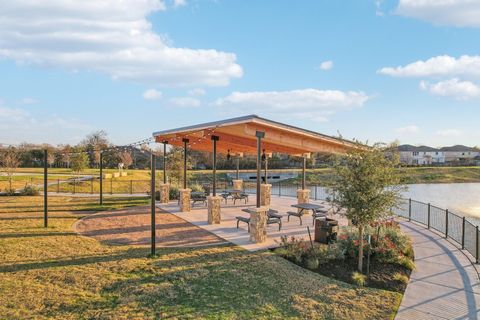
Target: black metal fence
(450,225)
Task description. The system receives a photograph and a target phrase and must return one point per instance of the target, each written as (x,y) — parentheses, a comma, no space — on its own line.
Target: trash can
(326,230)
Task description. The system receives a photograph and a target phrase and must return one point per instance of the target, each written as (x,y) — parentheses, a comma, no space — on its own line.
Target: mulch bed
(381,274)
(131,226)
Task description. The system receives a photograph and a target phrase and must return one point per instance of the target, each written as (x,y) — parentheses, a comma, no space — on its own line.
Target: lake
(461,198)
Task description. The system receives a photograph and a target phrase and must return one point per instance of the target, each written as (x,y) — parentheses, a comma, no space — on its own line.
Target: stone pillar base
(164,192)
(214,211)
(265,194)
(258,224)
(303,196)
(185,200)
(237,184)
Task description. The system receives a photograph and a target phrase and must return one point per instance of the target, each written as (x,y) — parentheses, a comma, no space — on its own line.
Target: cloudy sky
(370,70)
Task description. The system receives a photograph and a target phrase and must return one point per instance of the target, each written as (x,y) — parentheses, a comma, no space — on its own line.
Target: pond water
(461,198)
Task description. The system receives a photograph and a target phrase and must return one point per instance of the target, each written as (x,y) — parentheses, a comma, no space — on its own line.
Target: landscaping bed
(391,257)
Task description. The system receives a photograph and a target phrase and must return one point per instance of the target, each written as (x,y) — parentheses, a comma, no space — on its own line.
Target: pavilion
(252,135)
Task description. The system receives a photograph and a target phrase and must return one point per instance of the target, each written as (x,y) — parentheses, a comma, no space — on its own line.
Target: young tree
(10,160)
(78,159)
(367,186)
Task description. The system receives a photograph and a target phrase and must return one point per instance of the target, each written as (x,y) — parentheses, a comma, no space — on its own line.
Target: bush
(349,243)
(196,187)
(30,190)
(359,279)
(302,252)
(400,278)
(407,263)
(174,192)
(10,191)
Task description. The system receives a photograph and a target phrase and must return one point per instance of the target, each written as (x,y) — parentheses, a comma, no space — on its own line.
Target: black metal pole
(185,141)
(259,135)
(463,233)
(152,205)
(266,168)
(45,187)
(165,161)
(409,209)
(238,167)
(214,185)
(446,223)
(303,172)
(101,178)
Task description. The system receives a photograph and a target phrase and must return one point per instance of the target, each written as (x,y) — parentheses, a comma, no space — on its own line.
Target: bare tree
(126,159)
(10,160)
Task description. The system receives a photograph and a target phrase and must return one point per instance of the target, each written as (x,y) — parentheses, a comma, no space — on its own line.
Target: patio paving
(227,229)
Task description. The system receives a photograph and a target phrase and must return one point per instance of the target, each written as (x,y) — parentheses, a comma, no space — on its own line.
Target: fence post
(58,185)
(74,185)
(428,216)
(446,223)
(279,189)
(410,209)
(463,233)
(476,251)
(91,186)
(111,186)
(131,186)
(316,192)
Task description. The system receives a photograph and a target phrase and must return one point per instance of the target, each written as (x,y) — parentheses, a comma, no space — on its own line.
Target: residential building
(422,155)
(425,155)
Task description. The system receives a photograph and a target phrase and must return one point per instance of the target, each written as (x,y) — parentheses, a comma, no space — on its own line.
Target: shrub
(174,192)
(196,187)
(359,279)
(30,190)
(349,243)
(10,191)
(407,263)
(294,249)
(312,262)
(400,278)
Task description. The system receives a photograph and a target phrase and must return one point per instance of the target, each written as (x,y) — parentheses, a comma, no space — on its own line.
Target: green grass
(56,274)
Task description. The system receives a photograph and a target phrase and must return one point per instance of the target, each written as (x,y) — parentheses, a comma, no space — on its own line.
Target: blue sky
(371,70)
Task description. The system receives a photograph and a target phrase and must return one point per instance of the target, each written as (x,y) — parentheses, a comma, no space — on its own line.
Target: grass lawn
(56,274)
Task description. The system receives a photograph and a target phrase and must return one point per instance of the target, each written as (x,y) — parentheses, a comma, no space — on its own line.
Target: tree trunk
(360,248)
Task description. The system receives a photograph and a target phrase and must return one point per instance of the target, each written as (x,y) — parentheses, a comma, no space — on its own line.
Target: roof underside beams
(240,138)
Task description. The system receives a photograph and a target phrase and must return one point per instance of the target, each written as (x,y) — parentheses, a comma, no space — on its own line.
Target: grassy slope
(57,274)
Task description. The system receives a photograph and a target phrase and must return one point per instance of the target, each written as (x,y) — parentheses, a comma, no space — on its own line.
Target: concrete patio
(227,229)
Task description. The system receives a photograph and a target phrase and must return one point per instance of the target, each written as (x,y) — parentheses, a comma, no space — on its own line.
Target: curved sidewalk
(444,285)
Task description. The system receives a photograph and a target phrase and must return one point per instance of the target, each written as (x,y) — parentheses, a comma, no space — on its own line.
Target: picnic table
(317,211)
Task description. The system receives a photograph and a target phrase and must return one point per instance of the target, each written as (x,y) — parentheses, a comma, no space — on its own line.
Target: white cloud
(152,94)
(449,133)
(326,65)
(179,3)
(197,92)
(18,125)
(466,66)
(459,13)
(461,90)
(28,101)
(185,102)
(311,104)
(408,129)
(111,37)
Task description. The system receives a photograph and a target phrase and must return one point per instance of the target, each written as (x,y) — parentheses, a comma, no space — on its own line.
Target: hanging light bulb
(228,155)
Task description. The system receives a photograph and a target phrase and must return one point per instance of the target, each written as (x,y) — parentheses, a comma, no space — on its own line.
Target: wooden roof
(237,135)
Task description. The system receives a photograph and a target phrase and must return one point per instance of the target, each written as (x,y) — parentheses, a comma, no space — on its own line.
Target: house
(460,154)
(422,155)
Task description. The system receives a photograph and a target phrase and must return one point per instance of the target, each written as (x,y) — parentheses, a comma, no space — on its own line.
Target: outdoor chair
(272,217)
(295,214)
(240,196)
(199,197)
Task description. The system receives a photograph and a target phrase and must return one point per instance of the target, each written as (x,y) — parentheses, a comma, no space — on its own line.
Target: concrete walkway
(445,284)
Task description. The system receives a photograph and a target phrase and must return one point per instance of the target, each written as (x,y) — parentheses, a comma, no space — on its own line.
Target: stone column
(303,196)
(265,194)
(164,192)
(258,224)
(185,200)
(214,212)
(237,184)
